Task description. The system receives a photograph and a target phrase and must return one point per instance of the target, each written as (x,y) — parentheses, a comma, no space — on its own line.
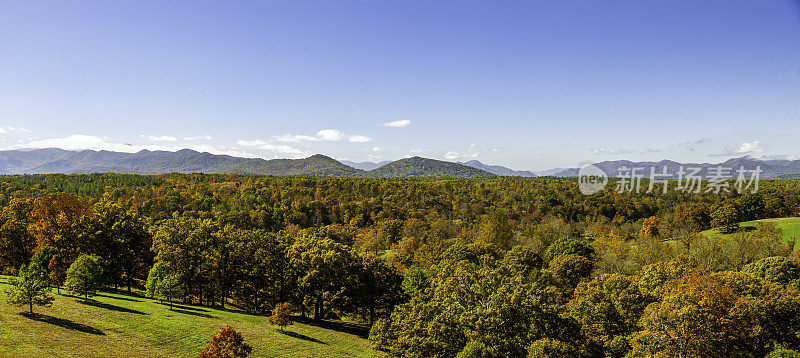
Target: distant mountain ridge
(418,166)
(499,170)
(52,160)
(367,166)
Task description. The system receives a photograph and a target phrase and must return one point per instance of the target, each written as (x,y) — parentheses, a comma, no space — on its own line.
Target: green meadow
(789,226)
(129,326)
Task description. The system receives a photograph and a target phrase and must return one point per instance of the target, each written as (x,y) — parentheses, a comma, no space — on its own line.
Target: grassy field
(125,326)
(789,226)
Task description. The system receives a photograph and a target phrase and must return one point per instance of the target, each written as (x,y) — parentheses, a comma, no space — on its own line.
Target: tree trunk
(128,278)
(30,306)
(371,314)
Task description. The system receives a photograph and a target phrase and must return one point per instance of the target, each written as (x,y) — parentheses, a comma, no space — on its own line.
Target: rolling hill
(47,161)
(419,167)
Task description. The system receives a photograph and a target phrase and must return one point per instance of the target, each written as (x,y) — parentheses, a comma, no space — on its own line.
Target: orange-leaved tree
(227,343)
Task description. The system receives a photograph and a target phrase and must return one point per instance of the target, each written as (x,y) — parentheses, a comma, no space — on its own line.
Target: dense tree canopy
(439,267)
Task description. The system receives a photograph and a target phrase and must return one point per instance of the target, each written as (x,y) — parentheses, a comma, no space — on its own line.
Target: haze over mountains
(53,160)
(45,161)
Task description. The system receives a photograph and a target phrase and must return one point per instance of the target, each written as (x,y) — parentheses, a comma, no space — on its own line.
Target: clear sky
(526,84)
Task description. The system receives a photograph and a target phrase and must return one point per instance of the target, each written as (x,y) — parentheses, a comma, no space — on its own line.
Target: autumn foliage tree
(227,343)
(697,316)
(281,315)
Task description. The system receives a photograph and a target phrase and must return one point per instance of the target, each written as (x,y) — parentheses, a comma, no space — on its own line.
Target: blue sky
(526,84)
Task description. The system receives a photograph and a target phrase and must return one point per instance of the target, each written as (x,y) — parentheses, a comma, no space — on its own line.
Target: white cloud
(204,137)
(83,142)
(296,138)
(250,143)
(281,149)
(471,153)
(332,135)
(276,148)
(743,149)
(451,155)
(611,151)
(163,138)
(750,147)
(13,129)
(329,135)
(398,124)
(373,157)
(359,139)
(377,149)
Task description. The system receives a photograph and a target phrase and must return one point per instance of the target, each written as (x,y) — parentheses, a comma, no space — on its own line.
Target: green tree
(85,276)
(42,258)
(29,288)
(608,308)
(163,284)
(121,238)
(169,288)
(726,217)
(323,267)
(185,244)
(551,348)
(570,246)
(496,229)
(775,269)
(783,353)
(376,289)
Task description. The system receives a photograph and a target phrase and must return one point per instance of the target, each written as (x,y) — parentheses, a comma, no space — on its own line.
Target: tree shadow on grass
(109,306)
(301,336)
(350,328)
(192,313)
(63,323)
(119,298)
(183,307)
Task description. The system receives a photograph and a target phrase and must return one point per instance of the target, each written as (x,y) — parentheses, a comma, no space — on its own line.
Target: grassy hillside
(124,326)
(789,226)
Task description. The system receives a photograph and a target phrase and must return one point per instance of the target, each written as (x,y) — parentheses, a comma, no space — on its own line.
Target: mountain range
(53,160)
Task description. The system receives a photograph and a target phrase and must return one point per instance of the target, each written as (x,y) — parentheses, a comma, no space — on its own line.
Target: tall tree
(17,244)
(183,243)
(85,276)
(726,217)
(323,267)
(120,237)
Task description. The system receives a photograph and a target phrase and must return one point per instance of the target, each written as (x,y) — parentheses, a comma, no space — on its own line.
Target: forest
(493,267)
